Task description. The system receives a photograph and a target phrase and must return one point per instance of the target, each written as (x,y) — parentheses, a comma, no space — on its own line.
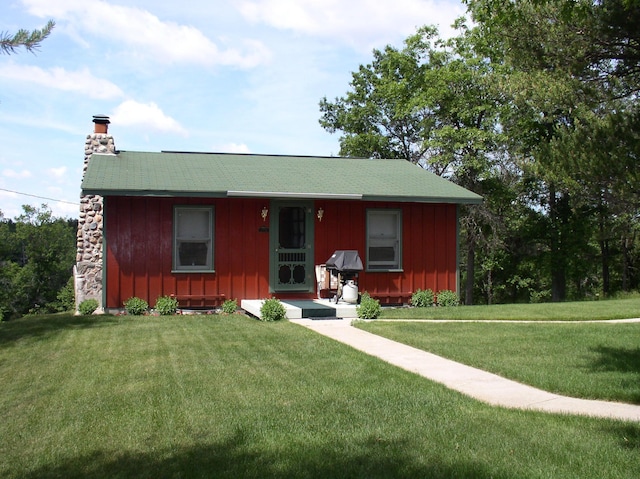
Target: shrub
(368,308)
(543,296)
(166,305)
(272,310)
(422,298)
(88,306)
(448,298)
(230,306)
(136,306)
(66,298)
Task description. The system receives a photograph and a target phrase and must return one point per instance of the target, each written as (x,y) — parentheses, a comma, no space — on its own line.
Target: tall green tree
(535,108)
(434,104)
(571,73)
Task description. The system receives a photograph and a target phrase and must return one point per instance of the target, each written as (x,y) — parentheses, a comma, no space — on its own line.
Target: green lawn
(588,360)
(231,397)
(570,311)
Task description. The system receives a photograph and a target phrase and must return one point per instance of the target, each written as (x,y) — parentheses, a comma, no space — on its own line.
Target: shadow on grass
(629,436)
(617,359)
(624,364)
(236,458)
(44,326)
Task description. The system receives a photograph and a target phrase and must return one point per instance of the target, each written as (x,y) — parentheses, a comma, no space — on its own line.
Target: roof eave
(471,200)
(284,195)
(156,193)
(294,195)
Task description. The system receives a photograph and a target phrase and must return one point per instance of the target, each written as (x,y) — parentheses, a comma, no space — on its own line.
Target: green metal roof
(131,173)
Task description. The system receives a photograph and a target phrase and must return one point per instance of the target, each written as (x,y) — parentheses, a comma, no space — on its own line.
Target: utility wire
(40,197)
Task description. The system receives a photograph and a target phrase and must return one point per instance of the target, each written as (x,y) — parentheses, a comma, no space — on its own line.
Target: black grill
(345,261)
(345,264)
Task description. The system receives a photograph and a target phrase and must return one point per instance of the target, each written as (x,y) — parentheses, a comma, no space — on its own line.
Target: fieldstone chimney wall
(89,257)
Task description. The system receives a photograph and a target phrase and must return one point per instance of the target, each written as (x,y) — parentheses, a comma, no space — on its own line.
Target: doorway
(291,244)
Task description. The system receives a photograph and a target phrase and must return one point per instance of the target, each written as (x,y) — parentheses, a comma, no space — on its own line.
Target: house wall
(139,233)
(429,246)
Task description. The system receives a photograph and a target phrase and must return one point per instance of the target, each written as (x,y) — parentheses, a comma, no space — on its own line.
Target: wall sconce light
(320,214)
(264,213)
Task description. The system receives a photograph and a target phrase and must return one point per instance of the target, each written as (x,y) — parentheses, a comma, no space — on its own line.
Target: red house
(206,227)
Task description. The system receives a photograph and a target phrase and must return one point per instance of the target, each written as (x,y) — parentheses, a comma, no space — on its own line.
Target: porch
(298,309)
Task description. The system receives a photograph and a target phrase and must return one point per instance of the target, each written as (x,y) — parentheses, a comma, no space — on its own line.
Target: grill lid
(345,260)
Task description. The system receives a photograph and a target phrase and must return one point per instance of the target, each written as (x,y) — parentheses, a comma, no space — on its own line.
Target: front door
(291,242)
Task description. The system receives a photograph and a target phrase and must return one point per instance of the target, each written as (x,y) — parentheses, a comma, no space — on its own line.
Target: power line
(40,197)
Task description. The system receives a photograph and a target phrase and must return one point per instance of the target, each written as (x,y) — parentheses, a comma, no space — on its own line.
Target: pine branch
(24,38)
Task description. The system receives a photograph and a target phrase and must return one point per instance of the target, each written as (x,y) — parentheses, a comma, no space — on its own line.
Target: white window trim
(209,267)
(396,242)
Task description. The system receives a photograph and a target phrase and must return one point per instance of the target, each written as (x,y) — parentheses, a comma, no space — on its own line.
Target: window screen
(193,239)
(384,239)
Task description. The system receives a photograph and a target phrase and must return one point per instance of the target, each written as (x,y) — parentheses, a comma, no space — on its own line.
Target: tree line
(533,105)
(37,254)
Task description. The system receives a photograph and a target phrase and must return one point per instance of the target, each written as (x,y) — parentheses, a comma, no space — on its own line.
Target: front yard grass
(569,311)
(588,360)
(229,397)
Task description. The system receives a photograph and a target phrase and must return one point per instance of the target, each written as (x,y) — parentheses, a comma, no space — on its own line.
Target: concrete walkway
(487,387)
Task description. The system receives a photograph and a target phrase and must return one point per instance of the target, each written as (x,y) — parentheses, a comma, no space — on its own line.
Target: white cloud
(7,194)
(52,9)
(58,173)
(147,35)
(64,210)
(16,174)
(147,115)
(81,81)
(360,23)
(233,148)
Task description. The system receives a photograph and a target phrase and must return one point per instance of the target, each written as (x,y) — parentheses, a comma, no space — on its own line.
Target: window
(384,240)
(193,238)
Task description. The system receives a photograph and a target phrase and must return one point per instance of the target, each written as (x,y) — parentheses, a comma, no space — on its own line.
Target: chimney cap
(101,119)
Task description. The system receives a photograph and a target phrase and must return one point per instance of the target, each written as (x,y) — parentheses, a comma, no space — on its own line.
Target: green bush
(422,298)
(448,298)
(368,308)
(66,298)
(230,306)
(136,306)
(166,305)
(88,306)
(272,310)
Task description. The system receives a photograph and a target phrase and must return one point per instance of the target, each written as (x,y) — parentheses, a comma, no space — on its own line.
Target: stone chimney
(89,269)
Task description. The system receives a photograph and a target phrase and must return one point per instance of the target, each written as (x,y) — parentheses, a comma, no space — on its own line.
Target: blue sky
(200,75)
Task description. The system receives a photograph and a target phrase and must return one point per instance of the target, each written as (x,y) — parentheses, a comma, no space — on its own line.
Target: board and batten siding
(429,246)
(139,241)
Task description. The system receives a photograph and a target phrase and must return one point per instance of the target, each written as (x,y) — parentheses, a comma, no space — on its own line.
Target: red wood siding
(429,242)
(139,238)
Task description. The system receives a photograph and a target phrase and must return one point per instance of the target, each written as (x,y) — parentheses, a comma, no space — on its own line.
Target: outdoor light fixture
(320,214)
(264,213)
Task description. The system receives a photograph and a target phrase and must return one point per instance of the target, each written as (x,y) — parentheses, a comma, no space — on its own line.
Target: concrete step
(298,309)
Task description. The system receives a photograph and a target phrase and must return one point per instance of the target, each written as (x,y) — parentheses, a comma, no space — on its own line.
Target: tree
(30,40)
(432,103)
(381,116)
(37,253)
(572,70)
(535,108)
